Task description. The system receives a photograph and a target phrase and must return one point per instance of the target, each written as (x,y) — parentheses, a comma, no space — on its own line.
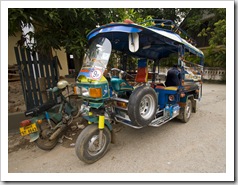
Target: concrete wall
(63,61)
(12,58)
(214,73)
(209,73)
(11,44)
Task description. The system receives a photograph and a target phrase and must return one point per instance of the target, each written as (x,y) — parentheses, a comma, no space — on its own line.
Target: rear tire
(86,146)
(186,114)
(142,105)
(43,141)
(76,104)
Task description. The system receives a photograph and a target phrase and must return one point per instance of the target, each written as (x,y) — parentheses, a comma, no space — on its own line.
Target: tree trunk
(78,62)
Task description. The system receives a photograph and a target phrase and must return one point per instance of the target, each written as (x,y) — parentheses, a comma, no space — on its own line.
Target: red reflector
(25,123)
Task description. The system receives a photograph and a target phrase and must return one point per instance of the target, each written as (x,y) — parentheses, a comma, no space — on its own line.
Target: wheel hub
(93,145)
(146,106)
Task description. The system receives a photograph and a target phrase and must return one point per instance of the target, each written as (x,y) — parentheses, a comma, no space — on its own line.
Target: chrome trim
(121,121)
(161,120)
(120,99)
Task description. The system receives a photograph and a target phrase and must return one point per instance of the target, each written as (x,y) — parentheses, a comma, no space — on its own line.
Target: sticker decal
(96,74)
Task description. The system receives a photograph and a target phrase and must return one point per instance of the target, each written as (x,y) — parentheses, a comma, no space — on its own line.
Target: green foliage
(210,23)
(218,35)
(215,57)
(68,27)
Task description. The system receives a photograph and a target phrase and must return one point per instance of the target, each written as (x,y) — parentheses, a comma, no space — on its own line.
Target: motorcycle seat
(39,109)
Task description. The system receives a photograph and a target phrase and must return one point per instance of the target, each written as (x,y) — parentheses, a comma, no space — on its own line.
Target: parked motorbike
(50,120)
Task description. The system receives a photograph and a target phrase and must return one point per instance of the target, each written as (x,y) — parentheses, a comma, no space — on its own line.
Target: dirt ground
(15,97)
(196,147)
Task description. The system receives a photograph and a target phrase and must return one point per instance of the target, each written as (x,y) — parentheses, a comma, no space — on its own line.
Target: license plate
(28,129)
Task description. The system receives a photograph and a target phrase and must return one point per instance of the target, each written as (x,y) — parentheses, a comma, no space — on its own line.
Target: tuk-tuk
(114,95)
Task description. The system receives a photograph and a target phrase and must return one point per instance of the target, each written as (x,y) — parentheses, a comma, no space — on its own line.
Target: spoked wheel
(43,141)
(87,145)
(187,112)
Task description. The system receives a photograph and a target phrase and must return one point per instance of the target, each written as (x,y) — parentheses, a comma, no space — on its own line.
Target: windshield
(96,59)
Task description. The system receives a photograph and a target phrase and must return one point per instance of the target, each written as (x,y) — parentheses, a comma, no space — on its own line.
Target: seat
(39,109)
(142,71)
(142,74)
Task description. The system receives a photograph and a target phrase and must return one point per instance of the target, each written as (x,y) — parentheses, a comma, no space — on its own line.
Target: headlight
(81,91)
(84,91)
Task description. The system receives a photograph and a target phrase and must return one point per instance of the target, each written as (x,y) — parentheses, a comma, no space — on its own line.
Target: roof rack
(169,25)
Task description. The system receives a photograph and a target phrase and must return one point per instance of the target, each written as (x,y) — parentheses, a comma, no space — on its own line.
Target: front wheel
(87,145)
(43,141)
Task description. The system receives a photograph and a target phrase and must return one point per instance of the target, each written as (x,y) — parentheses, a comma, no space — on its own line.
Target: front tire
(43,141)
(86,147)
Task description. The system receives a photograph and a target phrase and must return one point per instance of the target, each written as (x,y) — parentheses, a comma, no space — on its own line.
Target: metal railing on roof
(170,26)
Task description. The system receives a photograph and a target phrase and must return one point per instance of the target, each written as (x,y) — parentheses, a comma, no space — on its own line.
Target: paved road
(198,146)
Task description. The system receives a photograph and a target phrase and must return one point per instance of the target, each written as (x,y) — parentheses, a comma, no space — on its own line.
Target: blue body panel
(163,96)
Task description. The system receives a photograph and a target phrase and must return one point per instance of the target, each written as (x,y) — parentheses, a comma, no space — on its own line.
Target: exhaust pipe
(57,132)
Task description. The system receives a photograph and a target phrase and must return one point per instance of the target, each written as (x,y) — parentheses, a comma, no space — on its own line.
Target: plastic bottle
(167,110)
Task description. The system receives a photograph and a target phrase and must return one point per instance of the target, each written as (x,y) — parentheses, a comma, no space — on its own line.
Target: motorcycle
(49,120)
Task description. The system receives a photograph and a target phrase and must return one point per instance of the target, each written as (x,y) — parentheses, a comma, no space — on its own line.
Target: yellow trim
(84,79)
(101,122)
(90,114)
(173,88)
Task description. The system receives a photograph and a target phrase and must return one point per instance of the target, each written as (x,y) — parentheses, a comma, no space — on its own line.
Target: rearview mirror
(133,42)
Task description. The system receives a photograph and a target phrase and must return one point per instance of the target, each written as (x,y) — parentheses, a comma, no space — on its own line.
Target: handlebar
(122,72)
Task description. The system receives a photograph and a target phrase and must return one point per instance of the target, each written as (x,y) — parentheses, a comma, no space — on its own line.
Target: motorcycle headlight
(85,91)
(81,91)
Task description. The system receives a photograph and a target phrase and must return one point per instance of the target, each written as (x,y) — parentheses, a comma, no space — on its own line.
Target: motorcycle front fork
(47,117)
(101,125)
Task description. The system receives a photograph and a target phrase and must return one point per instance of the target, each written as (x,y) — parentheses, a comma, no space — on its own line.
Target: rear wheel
(76,104)
(43,141)
(142,105)
(186,114)
(87,145)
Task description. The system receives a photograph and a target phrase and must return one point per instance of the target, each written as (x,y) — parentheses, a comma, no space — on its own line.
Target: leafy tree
(68,27)
(209,25)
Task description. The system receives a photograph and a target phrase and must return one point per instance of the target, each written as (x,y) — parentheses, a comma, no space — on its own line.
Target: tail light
(95,92)
(171,97)
(25,123)
(39,121)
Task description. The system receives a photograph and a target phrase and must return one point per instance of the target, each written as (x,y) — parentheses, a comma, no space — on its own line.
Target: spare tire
(142,105)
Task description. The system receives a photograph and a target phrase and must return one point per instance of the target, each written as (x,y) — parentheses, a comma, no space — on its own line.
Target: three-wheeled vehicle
(110,97)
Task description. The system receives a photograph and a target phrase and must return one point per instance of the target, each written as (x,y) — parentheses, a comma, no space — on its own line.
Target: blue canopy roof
(154,43)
